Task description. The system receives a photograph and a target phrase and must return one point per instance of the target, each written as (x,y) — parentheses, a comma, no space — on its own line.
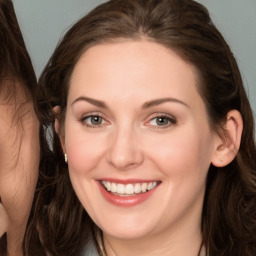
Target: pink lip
(125,201)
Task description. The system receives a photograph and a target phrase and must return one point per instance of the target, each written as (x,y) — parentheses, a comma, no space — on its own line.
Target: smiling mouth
(131,189)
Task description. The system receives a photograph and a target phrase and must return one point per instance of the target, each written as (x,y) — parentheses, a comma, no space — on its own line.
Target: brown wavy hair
(16,69)
(229,211)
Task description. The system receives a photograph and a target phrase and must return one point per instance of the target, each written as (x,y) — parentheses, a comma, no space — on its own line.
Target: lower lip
(126,201)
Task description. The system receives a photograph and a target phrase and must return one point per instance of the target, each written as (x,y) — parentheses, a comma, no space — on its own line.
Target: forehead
(131,66)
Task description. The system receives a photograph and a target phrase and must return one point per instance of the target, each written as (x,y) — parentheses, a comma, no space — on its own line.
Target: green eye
(162,121)
(95,120)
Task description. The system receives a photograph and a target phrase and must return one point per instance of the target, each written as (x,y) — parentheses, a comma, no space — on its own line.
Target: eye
(93,120)
(162,121)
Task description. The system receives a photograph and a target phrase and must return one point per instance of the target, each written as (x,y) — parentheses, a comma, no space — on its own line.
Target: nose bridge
(124,150)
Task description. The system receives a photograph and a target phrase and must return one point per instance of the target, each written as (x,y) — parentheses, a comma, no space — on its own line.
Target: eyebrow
(157,102)
(147,104)
(95,102)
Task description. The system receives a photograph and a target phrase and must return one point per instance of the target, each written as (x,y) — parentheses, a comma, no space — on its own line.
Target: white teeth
(120,188)
(113,188)
(149,186)
(108,186)
(137,188)
(144,187)
(128,189)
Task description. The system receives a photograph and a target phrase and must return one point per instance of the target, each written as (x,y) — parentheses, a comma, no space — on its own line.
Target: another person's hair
(16,70)
(184,26)
(15,63)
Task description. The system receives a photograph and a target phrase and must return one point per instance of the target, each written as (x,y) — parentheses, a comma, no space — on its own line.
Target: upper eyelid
(94,113)
(83,112)
(155,115)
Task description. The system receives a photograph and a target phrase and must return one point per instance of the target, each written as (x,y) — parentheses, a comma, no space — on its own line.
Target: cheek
(184,152)
(10,142)
(84,150)
(183,158)
(17,191)
(19,161)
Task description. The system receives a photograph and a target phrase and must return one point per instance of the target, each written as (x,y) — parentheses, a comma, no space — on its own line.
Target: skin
(19,160)
(3,220)
(129,143)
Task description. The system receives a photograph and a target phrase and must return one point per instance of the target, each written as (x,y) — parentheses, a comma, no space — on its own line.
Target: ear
(228,144)
(56,112)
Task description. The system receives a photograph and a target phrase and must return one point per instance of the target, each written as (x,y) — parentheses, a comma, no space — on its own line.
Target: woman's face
(137,139)
(19,159)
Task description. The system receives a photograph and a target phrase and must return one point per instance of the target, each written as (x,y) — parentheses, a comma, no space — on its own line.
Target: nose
(124,150)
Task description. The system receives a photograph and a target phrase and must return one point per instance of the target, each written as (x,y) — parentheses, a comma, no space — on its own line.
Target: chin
(126,230)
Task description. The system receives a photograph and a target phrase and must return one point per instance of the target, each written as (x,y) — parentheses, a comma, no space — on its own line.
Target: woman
(153,148)
(19,133)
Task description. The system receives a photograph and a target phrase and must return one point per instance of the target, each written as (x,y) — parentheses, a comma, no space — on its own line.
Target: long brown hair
(229,211)
(16,70)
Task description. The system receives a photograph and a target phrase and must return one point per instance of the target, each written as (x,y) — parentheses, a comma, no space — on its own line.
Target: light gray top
(90,251)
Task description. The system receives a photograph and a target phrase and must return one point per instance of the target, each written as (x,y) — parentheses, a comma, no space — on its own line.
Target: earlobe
(56,112)
(228,144)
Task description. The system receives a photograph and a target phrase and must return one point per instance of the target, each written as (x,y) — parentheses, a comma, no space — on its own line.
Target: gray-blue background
(43,22)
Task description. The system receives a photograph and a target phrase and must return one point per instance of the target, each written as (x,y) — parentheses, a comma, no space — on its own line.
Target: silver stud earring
(66,158)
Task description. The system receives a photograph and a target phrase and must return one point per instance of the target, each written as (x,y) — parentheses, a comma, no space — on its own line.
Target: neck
(14,241)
